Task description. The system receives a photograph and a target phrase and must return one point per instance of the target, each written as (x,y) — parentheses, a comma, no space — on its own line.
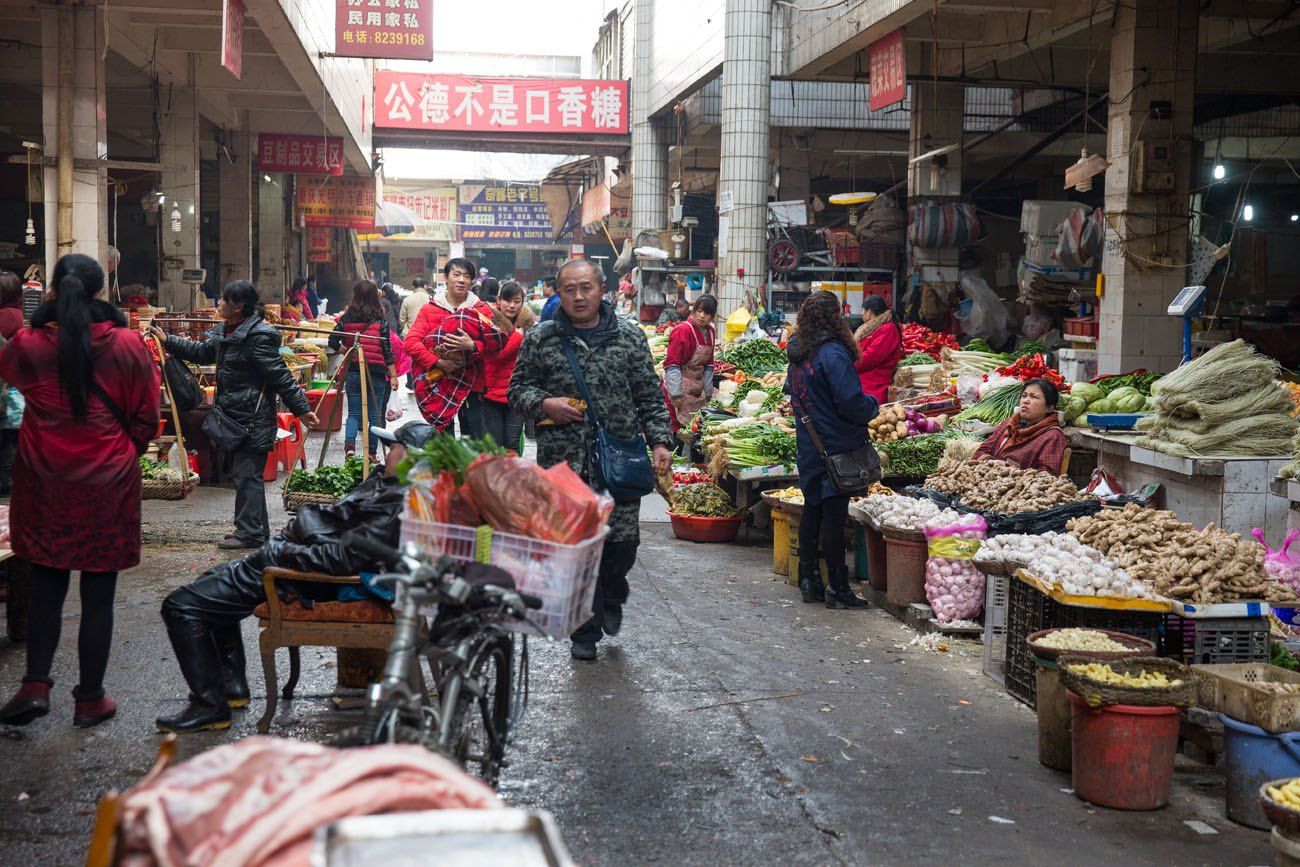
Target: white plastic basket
(562,576)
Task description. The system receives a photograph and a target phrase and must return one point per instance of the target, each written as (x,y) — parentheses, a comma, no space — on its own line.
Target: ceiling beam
(1010,35)
(193,40)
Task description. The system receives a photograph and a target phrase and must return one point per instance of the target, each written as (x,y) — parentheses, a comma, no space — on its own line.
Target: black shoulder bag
(621,467)
(850,472)
(225,432)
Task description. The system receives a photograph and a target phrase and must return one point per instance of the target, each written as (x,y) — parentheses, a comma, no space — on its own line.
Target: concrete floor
(728,724)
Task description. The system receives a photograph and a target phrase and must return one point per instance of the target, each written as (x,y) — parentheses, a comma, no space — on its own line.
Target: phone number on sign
(383,37)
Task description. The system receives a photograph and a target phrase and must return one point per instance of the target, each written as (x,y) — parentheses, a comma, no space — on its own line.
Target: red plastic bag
(1279,564)
(577,512)
(515,495)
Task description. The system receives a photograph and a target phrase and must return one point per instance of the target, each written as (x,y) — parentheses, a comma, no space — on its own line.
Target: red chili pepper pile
(690,477)
(918,338)
(1032,367)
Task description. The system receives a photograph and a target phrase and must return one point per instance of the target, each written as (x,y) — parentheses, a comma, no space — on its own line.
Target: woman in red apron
(688,366)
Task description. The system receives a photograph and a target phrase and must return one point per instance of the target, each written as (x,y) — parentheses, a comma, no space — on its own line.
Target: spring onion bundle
(995,407)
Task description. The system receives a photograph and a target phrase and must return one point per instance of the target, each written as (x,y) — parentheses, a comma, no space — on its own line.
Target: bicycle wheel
(364,735)
(480,721)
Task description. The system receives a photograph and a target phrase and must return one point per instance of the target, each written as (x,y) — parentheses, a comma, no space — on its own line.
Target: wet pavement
(728,724)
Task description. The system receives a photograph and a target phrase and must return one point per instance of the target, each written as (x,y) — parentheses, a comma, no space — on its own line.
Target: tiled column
(89,134)
(1152,66)
(744,173)
(235,175)
(649,140)
(272,228)
(178,125)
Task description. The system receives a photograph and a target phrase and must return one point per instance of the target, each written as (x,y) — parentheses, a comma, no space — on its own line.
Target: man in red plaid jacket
(440,395)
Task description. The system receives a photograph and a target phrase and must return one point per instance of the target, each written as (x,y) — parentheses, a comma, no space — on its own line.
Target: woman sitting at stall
(880,347)
(1031,439)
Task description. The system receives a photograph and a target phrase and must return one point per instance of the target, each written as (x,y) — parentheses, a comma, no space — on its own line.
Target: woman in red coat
(92,407)
(880,346)
(505,425)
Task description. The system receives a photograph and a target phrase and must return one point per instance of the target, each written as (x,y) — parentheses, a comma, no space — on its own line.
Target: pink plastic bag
(953,586)
(1281,565)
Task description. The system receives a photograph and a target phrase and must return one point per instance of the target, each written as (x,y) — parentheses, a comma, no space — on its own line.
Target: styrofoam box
(1042,217)
(1078,365)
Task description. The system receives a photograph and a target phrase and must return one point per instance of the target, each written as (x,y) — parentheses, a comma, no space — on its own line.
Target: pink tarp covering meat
(257,802)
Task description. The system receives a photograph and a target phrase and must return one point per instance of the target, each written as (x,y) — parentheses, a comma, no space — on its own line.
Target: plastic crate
(1028,611)
(843,247)
(995,626)
(880,257)
(1216,641)
(562,576)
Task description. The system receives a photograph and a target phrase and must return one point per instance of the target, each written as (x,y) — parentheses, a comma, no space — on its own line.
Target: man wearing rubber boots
(615,362)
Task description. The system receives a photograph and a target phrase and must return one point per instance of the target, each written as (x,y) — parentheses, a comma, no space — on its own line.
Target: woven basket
(1137,647)
(293,500)
(163,489)
(1282,817)
(1096,694)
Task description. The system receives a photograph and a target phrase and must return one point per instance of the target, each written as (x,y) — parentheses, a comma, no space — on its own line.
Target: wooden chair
(367,625)
(1065,462)
(105,846)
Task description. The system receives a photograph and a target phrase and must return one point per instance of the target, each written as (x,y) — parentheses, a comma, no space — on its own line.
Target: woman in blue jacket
(824,389)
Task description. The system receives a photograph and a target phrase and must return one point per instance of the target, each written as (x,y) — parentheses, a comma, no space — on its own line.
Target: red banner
(320,243)
(343,203)
(460,103)
(888,66)
(300,154)
(390,29)
(232,36)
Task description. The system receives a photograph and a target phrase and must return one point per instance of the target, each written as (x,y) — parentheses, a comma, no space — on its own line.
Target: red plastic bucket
(331,408)
(905,571)
(694,529)
(1123,755)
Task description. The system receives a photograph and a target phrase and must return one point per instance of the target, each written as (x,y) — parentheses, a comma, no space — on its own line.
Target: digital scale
(1187,305)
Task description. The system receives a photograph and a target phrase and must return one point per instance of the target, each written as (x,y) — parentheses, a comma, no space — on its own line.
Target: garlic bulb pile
(953,586)
(899,513)
(1060,558)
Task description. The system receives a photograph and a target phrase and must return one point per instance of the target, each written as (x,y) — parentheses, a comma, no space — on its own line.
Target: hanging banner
(460,103)
(341,203)
(504,214)
(385,29)
(888,66)
(436,206)
(320,243)
(299,154)
(232,36)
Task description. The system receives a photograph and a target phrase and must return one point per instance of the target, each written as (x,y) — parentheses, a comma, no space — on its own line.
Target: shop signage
(460,103)
(232,36)
(387,29)
(435,205)
(504,214)
(342,203)
(887,62)
(320,243)
(300,154)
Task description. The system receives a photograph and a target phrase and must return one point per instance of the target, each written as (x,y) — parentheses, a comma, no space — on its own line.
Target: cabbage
(1125,393)
(1087,391)
(1128,402)
(1149,405)
(1072,406)
(1100,407)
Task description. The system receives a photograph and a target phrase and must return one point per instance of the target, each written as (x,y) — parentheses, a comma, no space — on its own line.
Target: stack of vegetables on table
(703,500)
(918,338)
(897,513)
(895,421)
(918,455)
(762,441)
(1062,560)
(755,357)
(996,404)
(1129,393)
(1226,403)
(1002,488)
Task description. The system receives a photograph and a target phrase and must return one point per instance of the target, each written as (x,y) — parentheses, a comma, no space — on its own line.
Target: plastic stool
(292,449)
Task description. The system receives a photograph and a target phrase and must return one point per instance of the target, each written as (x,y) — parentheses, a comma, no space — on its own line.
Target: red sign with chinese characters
(232,36)
(390,29)
(343,203)
(320,243)
(300,154)
(460,103)
(888,66)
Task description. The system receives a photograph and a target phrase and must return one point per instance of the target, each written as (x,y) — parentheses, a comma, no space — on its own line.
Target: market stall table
(1229,492)
(749,483)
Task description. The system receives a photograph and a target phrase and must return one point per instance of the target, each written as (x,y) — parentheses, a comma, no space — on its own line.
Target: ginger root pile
(1002,488)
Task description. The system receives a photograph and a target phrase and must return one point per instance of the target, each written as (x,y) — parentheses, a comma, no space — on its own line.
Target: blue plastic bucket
(1252,757)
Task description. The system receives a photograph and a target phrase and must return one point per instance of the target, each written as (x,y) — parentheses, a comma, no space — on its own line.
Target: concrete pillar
(649,139)
(272,229)
(743,174)
(235,177)
(1153,60)
(89,133)
(178,126)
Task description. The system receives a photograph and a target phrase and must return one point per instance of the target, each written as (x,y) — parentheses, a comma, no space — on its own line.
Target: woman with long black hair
(366,320)
(829,406)
(92,407)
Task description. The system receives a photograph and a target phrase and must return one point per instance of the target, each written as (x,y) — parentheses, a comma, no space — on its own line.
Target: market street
(728,723)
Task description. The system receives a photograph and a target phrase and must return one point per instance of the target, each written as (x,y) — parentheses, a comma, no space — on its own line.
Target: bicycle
(480,695)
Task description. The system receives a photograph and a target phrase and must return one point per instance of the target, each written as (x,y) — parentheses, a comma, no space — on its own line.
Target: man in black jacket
(251,373)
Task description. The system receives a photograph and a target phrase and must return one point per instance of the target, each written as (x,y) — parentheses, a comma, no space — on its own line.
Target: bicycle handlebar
(368,546)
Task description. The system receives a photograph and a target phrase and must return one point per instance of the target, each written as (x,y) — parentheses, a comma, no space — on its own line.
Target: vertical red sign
(232,36)
(388,29)
(887,60)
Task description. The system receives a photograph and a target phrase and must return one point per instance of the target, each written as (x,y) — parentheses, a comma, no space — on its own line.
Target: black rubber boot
(839,595)
(200,664)
(810,582)
(231,646)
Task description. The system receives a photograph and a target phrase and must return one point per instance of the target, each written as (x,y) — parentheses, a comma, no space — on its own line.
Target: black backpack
(185,390)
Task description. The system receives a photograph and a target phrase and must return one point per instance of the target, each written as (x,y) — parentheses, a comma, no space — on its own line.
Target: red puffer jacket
(427,322)
(498,368)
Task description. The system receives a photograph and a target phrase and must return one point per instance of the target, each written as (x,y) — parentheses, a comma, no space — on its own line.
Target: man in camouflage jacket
(619,372)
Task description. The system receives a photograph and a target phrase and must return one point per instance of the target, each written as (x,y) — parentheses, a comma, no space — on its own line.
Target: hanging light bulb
(176,217)
(1248,213)
(1294,218)
(1219,171)
(30,239)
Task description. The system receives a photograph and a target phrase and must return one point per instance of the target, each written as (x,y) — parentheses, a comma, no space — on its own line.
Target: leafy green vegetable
(1029,347)
(1280,656)
(703,500)
(1088,392)
(745,388)
(1140,381)
(775,394)
(995,407)
(755,357)
(916,358)
(979,344)
(759,445)
(443,451)
(918,455)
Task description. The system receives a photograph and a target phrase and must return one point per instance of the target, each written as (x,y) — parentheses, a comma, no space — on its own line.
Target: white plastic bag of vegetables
(953,586)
